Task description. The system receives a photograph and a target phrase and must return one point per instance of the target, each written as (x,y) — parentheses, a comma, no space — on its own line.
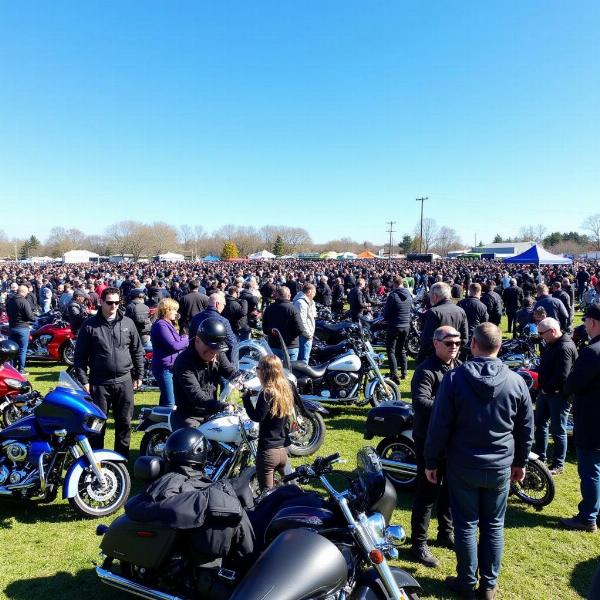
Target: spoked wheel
(67,353)
(537,488)
(413,344)
(10,415)
(153,442)
(94,500)
(307,434)
(384,393)
(400,449)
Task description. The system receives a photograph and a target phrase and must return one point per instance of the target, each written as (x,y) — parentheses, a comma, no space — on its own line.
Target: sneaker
(487,593)
(395,379)
(459,588)
(556,471)
(23,372)
(423,555)
(578,525)
(446,540)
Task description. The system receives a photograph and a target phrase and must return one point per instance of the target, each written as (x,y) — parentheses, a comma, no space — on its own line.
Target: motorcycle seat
(333,349)
(160,413)
(302,368)
(335,327)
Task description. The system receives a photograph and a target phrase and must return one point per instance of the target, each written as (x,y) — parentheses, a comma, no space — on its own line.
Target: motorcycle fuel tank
(345,362)
(222,428)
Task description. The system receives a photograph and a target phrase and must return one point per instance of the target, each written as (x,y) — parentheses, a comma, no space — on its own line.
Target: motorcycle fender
(312,406)
(369,587)
(74,472)
(533,456)
(7,402)
(148,425)
(371,387)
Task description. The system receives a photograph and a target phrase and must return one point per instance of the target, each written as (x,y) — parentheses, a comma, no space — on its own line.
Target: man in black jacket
(584,384)
(252,303)
(554,308)
(563,296)
(513,298)
(139,313)
(482,421)
(76,311)
(442,312)
(493,303)
(557,358)
(236,312)
(358,299)
(424,385)
(20,318)
(397,313)
(190,305)
(474,308)
(338,295)
(109,345)
(323,292)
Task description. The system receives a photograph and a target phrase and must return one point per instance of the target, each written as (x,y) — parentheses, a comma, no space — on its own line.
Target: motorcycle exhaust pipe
(126,585)
(395,466)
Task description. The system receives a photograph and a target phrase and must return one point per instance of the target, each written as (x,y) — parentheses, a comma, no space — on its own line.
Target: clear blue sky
(333,116)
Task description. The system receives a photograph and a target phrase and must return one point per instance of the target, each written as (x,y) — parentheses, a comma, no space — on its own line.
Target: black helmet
(213,333)
(8,350)
(186,447)
(137,293)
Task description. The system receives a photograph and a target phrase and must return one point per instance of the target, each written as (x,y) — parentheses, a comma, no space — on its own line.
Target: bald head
(444,332)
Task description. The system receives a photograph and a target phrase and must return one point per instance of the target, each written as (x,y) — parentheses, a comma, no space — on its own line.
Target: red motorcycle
(12,385)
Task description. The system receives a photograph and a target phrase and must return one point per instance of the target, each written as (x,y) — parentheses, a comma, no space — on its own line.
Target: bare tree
(430,231)
(62,240)
(161,237)
(446,240)
(592,224)
(186,236)
(129,237)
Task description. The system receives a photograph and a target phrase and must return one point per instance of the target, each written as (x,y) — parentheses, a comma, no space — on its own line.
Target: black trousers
(512,321)
(117,397)
(396,349)
(427,495)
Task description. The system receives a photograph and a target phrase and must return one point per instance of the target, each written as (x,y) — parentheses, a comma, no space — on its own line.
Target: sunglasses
(451,344)
(111,302)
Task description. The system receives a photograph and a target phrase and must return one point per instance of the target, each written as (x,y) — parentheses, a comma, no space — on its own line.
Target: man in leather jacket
(474,308)
(139,313)
(397,313)
(76,311)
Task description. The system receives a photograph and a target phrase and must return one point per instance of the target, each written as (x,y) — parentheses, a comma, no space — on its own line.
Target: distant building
(503,249)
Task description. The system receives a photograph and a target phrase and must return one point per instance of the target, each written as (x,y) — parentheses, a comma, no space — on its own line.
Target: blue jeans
(20,335)
(588,467)
(292,353)
(478,498)
(164,379)
(556,409)
(304,349)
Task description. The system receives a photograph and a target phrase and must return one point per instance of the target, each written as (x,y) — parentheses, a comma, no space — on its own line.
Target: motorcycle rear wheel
(538,488)
(67,353)
(402,449)
(153,442)
(309,434)
(380,395)
(413,345)
(10,415)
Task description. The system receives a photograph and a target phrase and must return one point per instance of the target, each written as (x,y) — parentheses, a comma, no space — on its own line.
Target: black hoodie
(482,418)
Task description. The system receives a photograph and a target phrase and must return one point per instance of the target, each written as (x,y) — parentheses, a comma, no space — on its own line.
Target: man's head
(110,302)
(233,291)
(22,290)
(79,296)
(539,314)
(211,339)
(397,282)
(549,329)
(439,291)
(591,320)
(541,289)
(217,300)
(446,342)
(309,290)
(283,293)
(513,282)
(486,341)
(475,290)
(556,285)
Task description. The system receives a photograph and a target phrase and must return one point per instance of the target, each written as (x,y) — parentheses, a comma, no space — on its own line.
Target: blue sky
(333,116)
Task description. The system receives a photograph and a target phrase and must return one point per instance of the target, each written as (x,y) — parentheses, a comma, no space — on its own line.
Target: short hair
(164,306)
(549,323)
(216,297)
(527,301)
(488,337)
(307,287)
(541,288)
(232,289)
(556,284)
(474,289)
(441,333)
(109,290)
(540,310)
(513,281)
(284,293)
(397,281)
(441,289)
(193,284)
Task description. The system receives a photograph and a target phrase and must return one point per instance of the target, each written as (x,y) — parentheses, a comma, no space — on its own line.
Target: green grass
(47,551)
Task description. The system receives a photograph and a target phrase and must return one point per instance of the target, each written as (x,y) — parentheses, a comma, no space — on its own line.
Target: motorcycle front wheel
(10,414)
(307,434)
(153,442)
(93,500)
(413,344)
(537,488)
(67,353)
(388,393)
(401,449)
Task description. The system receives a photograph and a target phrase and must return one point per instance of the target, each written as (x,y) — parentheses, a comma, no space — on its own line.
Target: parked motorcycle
(340,548)
(149,383)
(12,386)
(35,450)
(394,420)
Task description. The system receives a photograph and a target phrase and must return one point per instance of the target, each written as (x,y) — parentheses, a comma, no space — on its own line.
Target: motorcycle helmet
(186,447)
(530,330)
(8,350)
(213,333)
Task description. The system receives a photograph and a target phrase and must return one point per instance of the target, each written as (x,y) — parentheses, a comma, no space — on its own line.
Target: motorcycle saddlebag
(389,418)
(142,544)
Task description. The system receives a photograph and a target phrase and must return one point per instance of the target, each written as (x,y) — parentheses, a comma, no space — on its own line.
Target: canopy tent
(211,258)
(366,254)
(347,255)
(328,255)
(261,255)
(170,257)
(79,256)
(538,256)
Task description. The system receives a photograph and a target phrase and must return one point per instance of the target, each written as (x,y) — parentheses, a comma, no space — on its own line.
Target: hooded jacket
(307,310)
(482,418)
(397,310)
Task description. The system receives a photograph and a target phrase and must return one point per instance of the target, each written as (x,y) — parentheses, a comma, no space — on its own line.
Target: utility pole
(390,231)
(422,201)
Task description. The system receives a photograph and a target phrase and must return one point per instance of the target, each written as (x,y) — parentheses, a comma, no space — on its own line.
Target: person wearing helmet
(183,498)
(197,372)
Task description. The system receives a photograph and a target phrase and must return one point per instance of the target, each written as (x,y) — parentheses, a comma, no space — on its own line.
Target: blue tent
(536,255)
(211,258)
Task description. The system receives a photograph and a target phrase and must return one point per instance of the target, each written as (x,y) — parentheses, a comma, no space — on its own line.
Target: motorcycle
(149,383)
(394,420)
(340,547)
(12,386)
(36,449)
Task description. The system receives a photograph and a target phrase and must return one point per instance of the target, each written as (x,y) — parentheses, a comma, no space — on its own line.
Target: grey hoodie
(482,418)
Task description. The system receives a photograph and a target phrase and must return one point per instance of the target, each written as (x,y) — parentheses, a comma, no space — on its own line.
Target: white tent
(347,255)
(41,259)
(171,257)
(79,256)
(261,255)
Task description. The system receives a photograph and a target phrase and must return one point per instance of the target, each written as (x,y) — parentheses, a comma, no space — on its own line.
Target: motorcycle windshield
(66,381)
(247,353)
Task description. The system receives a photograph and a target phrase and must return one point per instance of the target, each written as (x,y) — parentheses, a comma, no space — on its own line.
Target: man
(554,308)
(397,312)
(190,305)
(284,316)
(109,345)
(338,296)
(442,312)
(305,305)
(77,311)
(513,299)
(267,292)
(323,295)
(557,358)
(493,303)
(584,384)
(563,296)
(482,421)
(216,305)
(236,312)
(475,309)
(139,313)
(45,296)
(358,299)
(20,317)
(65,298)
(424,386)
(582,278)
(252,300)
(197,373)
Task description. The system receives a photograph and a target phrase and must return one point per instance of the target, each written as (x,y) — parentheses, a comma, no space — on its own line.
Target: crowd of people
(474,423)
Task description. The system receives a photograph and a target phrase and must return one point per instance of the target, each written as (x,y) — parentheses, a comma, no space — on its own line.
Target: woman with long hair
(166,345)
(274,406)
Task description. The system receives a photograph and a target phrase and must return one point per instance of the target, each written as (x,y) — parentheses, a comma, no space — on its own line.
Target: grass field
(46,551)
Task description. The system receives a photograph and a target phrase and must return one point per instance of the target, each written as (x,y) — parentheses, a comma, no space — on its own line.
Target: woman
(166,345)
(274,406)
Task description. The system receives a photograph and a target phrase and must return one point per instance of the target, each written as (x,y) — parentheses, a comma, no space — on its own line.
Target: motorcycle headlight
(251,429)
(376,525)
(95,424)
(395,535)
(13,383)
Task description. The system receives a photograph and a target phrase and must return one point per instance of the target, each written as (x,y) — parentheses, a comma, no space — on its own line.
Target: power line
(422,201)
(390,231)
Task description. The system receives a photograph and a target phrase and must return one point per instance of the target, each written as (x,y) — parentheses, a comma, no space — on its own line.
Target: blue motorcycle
(36,450)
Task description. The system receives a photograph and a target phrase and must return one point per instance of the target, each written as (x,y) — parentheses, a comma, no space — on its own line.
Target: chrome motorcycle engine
(16,452)
(341,383)
(4,473)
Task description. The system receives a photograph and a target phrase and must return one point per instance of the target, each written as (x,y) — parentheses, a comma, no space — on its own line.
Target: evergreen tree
(229,250)
(278,246)
(498,239)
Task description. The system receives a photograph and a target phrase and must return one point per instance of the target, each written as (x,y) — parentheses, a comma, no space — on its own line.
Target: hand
(86,387)
(137,384)
(431,475)
(229,408)
(517,473)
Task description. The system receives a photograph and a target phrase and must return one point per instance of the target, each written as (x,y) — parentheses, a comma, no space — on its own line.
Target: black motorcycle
(338,544)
